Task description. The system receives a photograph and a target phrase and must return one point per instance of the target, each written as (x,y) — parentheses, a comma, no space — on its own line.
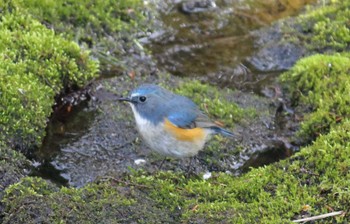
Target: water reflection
(214,44)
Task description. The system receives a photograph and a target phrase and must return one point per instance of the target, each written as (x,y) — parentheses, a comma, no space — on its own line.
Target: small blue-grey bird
(169,123)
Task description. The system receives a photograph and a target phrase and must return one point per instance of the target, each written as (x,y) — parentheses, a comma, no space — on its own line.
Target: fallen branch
(319,216)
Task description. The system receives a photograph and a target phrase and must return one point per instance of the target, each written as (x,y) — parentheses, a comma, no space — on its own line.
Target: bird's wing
(185,114)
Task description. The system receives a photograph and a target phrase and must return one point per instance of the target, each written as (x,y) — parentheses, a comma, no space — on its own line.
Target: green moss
(327,27)
(35,65)
(74,17)
(320,83)
(108,28)
(323,27)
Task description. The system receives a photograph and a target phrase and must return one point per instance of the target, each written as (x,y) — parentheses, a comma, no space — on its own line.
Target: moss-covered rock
(35,66)
(320,83)
(325,28)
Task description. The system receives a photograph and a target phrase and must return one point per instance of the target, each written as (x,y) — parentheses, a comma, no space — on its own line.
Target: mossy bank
(36,65)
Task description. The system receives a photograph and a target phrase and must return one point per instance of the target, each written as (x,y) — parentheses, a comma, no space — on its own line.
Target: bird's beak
(126,99)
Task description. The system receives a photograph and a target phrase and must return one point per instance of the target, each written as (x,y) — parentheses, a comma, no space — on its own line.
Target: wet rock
(196,6)
(274,54)
(279,56)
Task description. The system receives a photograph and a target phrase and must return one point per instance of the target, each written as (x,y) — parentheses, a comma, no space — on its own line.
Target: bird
(171,124)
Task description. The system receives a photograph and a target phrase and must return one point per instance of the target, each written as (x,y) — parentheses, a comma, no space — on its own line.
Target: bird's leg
(190,165)
(161,164)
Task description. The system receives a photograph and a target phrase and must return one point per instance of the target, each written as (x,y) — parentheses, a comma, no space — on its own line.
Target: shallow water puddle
(214,43)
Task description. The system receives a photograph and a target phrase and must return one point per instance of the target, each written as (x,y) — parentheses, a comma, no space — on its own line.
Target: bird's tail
(218,130)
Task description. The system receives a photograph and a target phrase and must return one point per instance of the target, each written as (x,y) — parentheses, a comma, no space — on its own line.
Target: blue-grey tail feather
(222,131)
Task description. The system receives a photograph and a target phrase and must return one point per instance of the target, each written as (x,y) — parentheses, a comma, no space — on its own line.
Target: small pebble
(139,161)
(207,175)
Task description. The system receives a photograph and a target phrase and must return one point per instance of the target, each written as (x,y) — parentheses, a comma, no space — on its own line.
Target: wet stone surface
(274,54)
(197,6)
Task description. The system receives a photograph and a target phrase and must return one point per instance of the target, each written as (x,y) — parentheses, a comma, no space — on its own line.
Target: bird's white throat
(142,123)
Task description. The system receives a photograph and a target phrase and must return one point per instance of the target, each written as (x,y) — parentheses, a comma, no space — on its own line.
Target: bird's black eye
(142,98)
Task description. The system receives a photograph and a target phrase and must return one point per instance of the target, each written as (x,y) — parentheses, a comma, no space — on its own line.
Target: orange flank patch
(190,135)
